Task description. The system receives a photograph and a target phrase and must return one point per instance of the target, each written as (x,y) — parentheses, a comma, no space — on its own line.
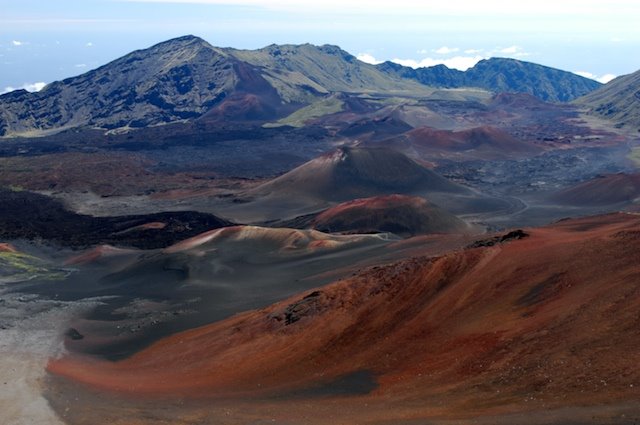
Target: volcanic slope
(485,142)
(618,100)
(174,80)
(603,190)
(350,173)
(210,277)
(400,214)
(186,78)
(302,72)
(488,331)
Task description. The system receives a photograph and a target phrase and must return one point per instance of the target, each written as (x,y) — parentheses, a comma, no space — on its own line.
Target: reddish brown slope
(400,214)
(481,142)
(352,172)
(547,321)
(603,190)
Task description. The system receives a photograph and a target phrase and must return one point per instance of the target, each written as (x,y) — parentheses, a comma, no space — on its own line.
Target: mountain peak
(183,42)
(185,39)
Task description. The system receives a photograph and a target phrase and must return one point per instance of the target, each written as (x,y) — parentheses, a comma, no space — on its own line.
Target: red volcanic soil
(349,173)
(480,142)
(242,107)
(96,254)
(400,214)
(603,190)
(544,322)
(7,247)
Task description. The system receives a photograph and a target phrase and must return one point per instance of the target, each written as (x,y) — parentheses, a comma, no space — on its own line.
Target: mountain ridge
(618,100)
(186,78)
(502,75)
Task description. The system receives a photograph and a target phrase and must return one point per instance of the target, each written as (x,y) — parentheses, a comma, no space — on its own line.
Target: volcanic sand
(544,324)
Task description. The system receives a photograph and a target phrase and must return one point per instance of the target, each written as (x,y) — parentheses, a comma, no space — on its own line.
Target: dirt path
(30,332)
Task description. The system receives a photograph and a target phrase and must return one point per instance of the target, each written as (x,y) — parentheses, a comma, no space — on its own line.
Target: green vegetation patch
(330,105)
(635,156)
(20,267)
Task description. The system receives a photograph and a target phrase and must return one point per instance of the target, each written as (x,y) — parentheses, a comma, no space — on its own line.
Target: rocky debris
(507,237)
(307,306)
(74,334)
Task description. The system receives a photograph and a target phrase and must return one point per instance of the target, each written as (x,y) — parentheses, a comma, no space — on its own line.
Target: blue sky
(42,41)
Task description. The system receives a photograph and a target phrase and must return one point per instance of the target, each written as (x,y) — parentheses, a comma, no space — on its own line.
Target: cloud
(80,65)
(473,51)
(17,43)
(89,44)
(586,74)
(368,58)
(444,50)
(461,63)
(26,86)
(509,50)
(604,79)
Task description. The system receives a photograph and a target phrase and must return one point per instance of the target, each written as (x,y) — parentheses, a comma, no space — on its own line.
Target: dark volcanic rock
(26,215)
(508,237)
(307,306)
(74,334)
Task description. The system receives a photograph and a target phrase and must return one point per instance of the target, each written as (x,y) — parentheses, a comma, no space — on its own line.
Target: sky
(42,41)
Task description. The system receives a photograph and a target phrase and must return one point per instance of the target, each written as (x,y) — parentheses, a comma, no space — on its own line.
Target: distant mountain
(174,80)
(300,72)
(186,78)
(436,76)
(618,100)
(502,75)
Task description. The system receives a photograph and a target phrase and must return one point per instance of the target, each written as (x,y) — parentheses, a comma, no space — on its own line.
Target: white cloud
(509,50)
(586,74)
(444,50)
(457,62)
(368,58)
(473,51)
(89,44)
(604,79)
(80,65)
(26,86)
(17,43)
